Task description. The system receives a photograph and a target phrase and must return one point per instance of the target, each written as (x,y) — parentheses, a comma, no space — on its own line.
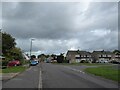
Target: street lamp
(31,46)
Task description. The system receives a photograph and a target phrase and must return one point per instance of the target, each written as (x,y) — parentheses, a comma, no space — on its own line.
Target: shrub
(84,61)
(65,61)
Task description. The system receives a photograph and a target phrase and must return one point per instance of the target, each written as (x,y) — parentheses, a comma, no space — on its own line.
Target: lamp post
(31,46)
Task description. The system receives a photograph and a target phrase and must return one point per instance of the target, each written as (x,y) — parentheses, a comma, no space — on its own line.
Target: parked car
(36,61)
(47,60)
(14,63)
(33,62)
(53,61)
(102,61)
(115,62)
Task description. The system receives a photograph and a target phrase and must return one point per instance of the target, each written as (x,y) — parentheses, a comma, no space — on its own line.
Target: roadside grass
(0,70)
(61,63)
(14,69)
(95,64)
(87,64)
(108,72)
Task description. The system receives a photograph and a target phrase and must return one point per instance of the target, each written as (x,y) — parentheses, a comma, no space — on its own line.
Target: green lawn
(0,70)
(14,69)
(94,64)
(109,72)
(87,64)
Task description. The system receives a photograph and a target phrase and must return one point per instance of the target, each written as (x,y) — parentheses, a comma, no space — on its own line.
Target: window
(109,55)
(100,55)
(117,56)
(77,55)
(88,56)
(104,55)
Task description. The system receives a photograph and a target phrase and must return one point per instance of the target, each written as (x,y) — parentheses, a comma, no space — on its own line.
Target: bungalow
(78,56)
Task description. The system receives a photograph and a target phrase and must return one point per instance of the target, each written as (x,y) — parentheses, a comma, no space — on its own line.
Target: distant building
(2,58)
(25,56)
(96,56)
(102,56)
(116,57)
(78,56)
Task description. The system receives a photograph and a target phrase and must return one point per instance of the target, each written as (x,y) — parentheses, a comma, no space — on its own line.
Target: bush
(65,61)
(4,63)
(23,62)
(84,61)
(60,59)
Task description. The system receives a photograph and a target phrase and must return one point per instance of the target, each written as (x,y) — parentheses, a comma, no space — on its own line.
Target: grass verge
(0,70)
(87,64)
(109,72)
(14,69)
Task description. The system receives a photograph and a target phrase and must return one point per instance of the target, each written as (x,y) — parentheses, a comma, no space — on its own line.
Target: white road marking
(40,80)
(75,69)
(17,79)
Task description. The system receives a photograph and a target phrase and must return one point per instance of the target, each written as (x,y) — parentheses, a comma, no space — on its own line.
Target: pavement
(27,79)
(7,76)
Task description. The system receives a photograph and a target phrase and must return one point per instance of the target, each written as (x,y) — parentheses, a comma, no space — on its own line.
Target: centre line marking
(40,80)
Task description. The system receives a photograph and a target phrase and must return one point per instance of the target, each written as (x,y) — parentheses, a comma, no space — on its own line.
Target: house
(25,56)
(2,58)
(78,56)
(116,57)
(99,56)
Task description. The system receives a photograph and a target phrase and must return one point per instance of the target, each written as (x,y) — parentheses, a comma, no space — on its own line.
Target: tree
(8,48)
(42,57)
(60,58)
(116,51)
(16,53)
(8,42)
(33,56)
(54,56)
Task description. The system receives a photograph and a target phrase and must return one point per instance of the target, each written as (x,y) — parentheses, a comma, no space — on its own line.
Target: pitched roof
(102,52)
(2,57)
(72,52)
(78,52)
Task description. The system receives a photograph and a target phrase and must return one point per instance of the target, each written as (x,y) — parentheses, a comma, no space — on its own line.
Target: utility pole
(31,46)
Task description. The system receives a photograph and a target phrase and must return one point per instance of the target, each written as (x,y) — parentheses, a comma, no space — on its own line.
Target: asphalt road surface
(60,76)
(47,75)
(0,84)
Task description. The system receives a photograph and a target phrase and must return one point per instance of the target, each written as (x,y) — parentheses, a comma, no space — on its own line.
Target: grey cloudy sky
(59,26)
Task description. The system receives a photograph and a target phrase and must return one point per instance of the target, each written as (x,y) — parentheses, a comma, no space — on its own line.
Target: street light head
(32,38)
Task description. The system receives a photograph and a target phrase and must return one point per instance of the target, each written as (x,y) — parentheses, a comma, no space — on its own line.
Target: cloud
(58,27)
(0,15)
(101,32)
